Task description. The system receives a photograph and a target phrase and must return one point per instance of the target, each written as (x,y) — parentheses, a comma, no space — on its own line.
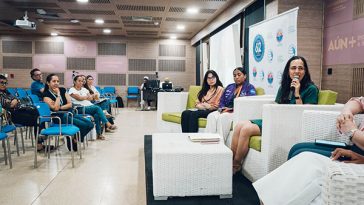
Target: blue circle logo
(258,48)
(270,55)
(270,78)
(291,50)
(279,35)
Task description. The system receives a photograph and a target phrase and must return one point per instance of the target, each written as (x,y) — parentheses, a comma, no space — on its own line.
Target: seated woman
(18,116)
(58,100)
(220,120)
(105,105)
(81,96)
(295,76)
(294,186)
(207,101)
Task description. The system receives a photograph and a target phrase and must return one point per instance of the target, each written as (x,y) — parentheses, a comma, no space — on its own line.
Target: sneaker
(109,130)
(100,137)
(148,108)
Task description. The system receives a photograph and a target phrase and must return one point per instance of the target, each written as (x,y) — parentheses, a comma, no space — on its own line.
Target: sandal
(100,137)
(112,127)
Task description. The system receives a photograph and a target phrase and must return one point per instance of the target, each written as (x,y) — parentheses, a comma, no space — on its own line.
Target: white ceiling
(118,16)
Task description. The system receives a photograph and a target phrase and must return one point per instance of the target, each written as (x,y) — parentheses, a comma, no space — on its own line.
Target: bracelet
(297,97)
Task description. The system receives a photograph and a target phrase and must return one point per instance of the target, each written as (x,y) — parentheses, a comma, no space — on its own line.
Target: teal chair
(133,93)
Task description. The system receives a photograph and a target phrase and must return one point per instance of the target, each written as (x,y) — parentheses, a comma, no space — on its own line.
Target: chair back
(98,89)
(22,93)
(44,111)
(109,90)
(34,98)
(192,95)
(327,97)
(12,91)
(260,91)
(133,90)
(29,91)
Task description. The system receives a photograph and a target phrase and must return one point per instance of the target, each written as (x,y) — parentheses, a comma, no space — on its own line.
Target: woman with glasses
(296,88)
(59,100)
(18,115)
(81,96)
(37,86)
(207,101)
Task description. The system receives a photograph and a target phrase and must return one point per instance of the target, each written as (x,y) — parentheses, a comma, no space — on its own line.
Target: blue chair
(22,93)
(12,91)
(110,92)
(29,91)
(7,153)
(69,131)
(34,98)
(133,93)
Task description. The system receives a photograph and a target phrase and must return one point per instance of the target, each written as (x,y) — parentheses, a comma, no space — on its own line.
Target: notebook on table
(204,137)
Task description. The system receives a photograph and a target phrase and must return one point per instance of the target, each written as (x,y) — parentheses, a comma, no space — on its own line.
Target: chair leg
(16,142)
(36,151)
(72,154)
(22,139)
(5,153)
(31,135)
(79,145)
(49,147)
(9,153)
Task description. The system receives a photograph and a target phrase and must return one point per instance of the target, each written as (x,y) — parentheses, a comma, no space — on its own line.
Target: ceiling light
(107,31)
(173,37)
(156,23)
(54,34)
(99,21)
(82,1)
(192,10)
(74,21)
(181,27)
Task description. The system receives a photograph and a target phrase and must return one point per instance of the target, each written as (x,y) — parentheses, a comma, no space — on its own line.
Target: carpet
(243,191)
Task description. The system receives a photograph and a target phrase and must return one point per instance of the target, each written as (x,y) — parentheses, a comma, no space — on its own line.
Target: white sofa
(281,130)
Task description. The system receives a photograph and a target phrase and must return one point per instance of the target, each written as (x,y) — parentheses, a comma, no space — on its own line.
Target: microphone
(292,89)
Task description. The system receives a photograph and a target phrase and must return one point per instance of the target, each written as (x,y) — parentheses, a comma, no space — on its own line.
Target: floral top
(6,98)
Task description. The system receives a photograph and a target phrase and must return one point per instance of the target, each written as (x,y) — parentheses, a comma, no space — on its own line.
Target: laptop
(167,86)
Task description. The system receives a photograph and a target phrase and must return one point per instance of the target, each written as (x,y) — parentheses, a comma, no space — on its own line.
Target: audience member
(220,121)
(299,180)
(37,87)
(145,95)
(95,94)
(58,100)
(81,96)
(295,76)
(208,100)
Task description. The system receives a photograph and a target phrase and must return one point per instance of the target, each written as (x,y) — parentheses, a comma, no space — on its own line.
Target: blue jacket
(227,98)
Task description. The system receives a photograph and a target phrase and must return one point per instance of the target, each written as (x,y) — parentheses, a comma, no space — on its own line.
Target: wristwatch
(297,97)
(351,133)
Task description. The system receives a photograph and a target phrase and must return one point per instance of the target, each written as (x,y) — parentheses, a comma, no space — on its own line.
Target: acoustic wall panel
(11,62)
(172,65)
(111,79)
(49,47)
(17,47)
(142,65)
(80,63)
(172,50)
(118,49)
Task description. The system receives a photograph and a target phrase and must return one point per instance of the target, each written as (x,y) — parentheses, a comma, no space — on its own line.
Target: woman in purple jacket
(220,120)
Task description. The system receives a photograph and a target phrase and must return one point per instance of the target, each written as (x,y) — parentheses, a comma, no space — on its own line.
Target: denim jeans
(98,115)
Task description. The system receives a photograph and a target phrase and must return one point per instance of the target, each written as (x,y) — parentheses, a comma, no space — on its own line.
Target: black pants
(26,118)
(189,121)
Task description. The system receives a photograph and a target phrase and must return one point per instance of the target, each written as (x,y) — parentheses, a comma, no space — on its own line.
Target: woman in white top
(81,96)
(105,105)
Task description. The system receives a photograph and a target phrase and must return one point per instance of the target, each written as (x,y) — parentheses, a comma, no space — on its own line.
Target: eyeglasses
(38,74)
(3,82)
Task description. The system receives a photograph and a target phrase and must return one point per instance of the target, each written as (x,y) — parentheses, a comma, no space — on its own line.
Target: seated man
(37,86)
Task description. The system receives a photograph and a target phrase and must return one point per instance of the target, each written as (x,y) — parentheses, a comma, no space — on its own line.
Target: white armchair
(170,102)
(281,130)
(344,183)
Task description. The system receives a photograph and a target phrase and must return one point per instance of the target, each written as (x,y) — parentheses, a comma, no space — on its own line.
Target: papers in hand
(205,137)
(99,100)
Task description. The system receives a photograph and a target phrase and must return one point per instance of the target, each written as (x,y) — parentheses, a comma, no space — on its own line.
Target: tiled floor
(111,171)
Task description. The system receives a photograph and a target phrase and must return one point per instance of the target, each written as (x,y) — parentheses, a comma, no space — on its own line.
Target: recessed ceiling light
(156,23)
(74,21)
(181,27)
(107,31)
(54,34)
(82,1)
(173,37)
(192,10)
(99,21)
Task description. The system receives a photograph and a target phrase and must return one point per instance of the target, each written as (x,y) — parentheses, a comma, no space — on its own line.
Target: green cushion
(327,97)
(192,96)
(175,117)
(260,91)
(255,142)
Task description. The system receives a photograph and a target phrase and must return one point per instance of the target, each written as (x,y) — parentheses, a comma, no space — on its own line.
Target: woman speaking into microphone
(296,88)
